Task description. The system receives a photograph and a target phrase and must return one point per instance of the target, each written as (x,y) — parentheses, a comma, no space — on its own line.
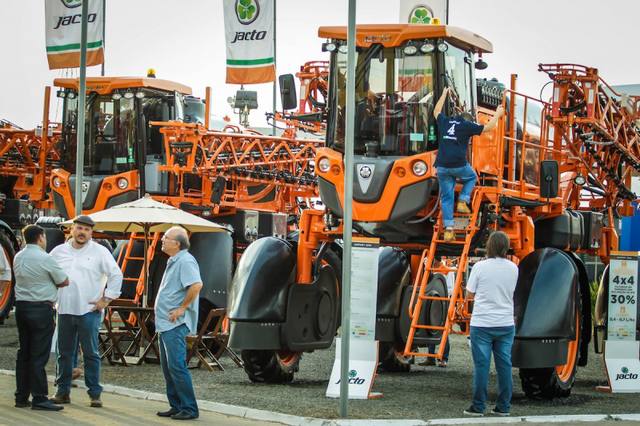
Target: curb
(288,419)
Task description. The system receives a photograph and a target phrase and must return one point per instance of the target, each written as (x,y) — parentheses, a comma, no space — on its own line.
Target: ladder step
(434,298)
(134,258)
(458,242)
(131,279)
(428,327)
(443,270)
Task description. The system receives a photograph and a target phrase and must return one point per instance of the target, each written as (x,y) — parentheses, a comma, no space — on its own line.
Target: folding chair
(209,346)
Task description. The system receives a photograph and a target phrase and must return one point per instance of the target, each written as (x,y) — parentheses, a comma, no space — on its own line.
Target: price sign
(623,296)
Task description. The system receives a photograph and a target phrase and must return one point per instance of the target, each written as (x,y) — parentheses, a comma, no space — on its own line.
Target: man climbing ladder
(454,134)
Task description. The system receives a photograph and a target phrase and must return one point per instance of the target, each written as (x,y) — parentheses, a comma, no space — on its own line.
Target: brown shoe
(463,208)
(61,399)
(96,402)
(449,234)
(428,362)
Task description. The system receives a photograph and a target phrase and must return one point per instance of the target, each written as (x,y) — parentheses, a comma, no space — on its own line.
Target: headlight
(123,183)
(443,47)
(56,182)
(427,48)
(116,96)
(419,168)
(579,180)
(410,50)
(324,165)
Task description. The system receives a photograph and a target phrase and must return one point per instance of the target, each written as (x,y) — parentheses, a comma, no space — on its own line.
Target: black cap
(84,220)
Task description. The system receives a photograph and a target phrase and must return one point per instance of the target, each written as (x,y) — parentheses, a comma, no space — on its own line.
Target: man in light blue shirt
(176,312)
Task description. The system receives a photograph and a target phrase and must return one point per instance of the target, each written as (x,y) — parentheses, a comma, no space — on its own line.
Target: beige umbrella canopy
(147,215)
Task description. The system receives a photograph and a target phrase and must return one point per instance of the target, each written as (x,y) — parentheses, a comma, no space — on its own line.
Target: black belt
(26,302)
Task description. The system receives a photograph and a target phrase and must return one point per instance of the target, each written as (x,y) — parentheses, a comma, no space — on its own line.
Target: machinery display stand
(621,347)
(363,355)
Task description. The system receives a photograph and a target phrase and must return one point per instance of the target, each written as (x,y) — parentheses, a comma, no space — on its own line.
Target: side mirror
(549,179)
(481,65)
(288,96)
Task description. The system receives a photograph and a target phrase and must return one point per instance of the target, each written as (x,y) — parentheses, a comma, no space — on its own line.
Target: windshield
(458,75)
(394,101)
(111,131)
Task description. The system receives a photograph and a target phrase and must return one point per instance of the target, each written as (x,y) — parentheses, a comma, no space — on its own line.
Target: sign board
(363,353)
(423,11)
(621,349)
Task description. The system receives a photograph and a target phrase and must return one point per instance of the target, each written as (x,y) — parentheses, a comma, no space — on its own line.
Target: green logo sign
(421,15)
(72,3)
(247,11)
(353,373)
(625,370)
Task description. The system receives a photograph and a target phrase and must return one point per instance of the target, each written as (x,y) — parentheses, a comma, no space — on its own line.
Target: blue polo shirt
(182,272)
(454,134)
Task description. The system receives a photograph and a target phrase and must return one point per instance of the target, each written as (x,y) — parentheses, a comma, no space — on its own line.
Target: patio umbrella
(148,215)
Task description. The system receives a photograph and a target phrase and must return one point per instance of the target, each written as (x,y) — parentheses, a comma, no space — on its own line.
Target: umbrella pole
(145,294)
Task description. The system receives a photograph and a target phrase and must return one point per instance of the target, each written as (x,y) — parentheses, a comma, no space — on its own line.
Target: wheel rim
(565,371)
(288,358)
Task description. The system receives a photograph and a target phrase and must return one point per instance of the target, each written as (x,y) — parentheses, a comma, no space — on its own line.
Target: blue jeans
(432,350)
(71,330)
(173,359)
(484,340)
(447,181)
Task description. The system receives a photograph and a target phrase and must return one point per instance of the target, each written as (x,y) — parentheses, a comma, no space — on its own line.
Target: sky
(184,41)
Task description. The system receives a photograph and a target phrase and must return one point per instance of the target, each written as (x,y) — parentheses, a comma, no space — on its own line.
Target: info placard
(623,296)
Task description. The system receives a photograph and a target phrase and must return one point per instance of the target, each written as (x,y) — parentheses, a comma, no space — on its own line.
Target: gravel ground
(424,393)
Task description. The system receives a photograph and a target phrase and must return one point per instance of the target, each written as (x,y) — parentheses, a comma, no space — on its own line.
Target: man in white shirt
(80,306)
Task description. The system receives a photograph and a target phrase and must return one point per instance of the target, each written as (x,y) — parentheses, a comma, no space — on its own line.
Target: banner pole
(345,327)
(273,129)
(82,100)
(104,31)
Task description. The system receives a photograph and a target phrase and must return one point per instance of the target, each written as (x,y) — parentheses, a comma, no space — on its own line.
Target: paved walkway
(117,410)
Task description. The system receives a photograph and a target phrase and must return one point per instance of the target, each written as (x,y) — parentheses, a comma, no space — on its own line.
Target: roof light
(71,95)
(410,50)
(343,49)
(140,94)
(61,94)
(329,47)
(443,47)
(427,48)
(116,96)
(128,95)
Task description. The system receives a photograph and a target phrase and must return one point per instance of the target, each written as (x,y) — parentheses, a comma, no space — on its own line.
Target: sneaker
(463,207)
(449,234)
(471,411)
(442,364)
(61,399)
(499,412)
(428,362)
(96,402)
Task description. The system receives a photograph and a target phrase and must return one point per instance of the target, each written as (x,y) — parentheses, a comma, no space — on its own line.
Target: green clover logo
(247,11)
(353,373)
(625,370)
(420,15)
(72,3)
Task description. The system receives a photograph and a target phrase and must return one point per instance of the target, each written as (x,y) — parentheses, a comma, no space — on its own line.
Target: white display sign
(364,288)
(363,362)
(423,11)
(623,296)
(623,365)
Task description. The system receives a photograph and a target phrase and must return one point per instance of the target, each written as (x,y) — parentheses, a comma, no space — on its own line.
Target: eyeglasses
(165,238)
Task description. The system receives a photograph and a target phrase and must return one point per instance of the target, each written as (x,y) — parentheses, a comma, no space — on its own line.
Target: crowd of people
(69,289)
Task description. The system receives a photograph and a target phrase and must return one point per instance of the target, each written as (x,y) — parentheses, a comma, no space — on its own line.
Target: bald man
(176,311)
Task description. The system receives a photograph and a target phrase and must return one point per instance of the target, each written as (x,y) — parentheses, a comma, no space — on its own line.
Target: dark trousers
(35,330)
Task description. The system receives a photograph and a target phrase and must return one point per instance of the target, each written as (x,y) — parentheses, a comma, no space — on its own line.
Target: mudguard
(585,300)
(11,235)
(214,253)
(392,267)
(545,303)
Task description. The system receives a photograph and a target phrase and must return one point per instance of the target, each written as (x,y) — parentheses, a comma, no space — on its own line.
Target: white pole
(82,100)
(347,218)
(275,3)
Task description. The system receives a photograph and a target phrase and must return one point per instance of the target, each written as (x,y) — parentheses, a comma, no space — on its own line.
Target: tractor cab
(122,152)
(400,73)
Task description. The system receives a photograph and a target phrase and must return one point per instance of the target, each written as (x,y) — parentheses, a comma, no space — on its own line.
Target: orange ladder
(429,265)
(126,257)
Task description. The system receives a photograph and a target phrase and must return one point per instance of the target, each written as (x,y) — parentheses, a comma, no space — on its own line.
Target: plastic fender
(214,254)
(585,296)
(10,234)
(259,287)
(392,268)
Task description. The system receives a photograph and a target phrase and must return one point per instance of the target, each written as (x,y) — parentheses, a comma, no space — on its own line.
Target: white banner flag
(249,33)
(423,11)
(63,25)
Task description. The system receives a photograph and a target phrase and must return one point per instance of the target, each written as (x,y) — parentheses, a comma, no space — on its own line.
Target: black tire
(545,383)
(390,358)
(265,366)
(6,303)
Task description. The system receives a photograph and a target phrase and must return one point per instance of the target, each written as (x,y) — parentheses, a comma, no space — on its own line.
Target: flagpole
(345,326)
(82,92)
(273,129)
(104,30)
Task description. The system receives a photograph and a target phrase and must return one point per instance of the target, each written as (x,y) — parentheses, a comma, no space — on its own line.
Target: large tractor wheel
(265,366)
(7,294)
(391,359)
(555,382)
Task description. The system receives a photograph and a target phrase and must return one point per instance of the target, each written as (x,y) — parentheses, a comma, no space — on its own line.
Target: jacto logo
(421,15)
(353,378)
(247,11)
(71,3)
(626,375)
(352,374)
